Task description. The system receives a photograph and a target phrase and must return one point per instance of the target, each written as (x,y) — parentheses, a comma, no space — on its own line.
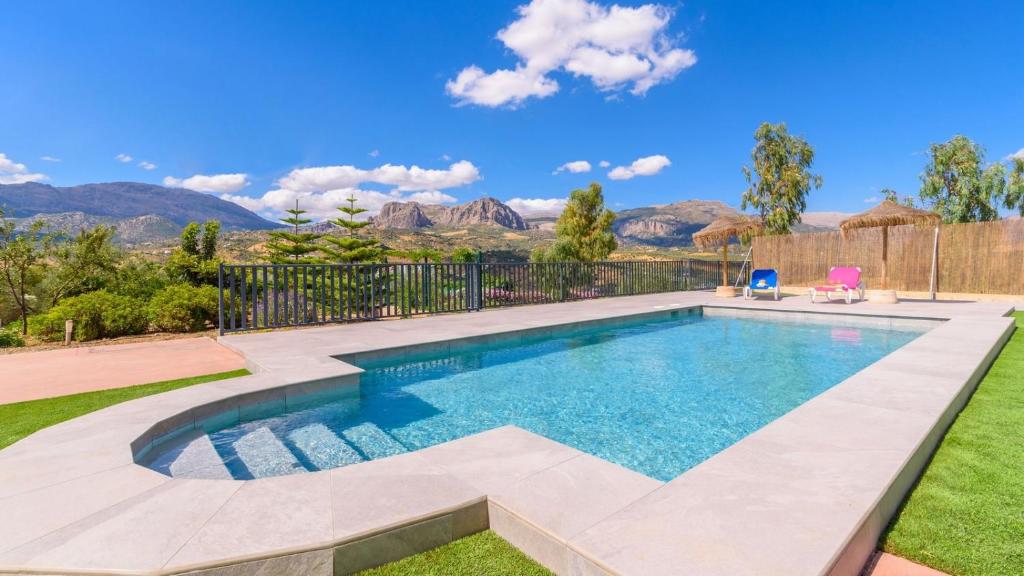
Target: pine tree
(293,246)
(350,247)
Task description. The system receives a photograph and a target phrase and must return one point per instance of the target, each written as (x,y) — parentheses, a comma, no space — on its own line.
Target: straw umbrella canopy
(723,229)
(886,214)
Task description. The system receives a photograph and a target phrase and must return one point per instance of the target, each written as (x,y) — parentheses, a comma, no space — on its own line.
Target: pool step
(323,448)
(372,441)
(265,455)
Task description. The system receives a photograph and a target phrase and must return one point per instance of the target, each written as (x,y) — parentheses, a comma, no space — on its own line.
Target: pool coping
(75,487)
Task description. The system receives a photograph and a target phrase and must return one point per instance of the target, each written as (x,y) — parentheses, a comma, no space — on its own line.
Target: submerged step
(372,441)
(323,448)
(265,455)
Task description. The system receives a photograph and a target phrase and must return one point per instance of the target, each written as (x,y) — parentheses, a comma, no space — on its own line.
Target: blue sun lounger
(763,280)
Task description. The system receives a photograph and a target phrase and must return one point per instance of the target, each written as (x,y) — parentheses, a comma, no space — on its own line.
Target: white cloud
(604,163)
(49,159)
(1019,154)
(12,172)
(123,158)
(576,167)
(616,47)
(374,153)
(216,183)
(534,206)
(445,157)
(646,166)
(147,165)
(409,179)
(321,189)
(872,199)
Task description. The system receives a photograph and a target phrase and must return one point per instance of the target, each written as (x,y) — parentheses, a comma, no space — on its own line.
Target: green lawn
(483,554)
(966,515)
(23,418)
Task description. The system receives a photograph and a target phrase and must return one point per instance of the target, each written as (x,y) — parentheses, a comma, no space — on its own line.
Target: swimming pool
(656,395)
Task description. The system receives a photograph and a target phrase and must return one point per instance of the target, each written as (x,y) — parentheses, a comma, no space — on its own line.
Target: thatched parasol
(721,231)
(886,214)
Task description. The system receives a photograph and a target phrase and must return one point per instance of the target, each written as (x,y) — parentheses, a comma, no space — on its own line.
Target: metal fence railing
(259,296)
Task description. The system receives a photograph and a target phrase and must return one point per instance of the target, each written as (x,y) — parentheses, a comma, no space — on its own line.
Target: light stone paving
(807,494)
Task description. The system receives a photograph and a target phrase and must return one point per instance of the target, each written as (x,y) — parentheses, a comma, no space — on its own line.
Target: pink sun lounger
(844,280)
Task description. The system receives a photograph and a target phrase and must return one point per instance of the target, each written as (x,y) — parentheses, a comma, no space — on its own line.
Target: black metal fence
(259,296)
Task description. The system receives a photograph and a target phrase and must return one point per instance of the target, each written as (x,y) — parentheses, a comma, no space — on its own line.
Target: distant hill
(669,224)
(124,200)
(821,221)
(481,212)
(137,230)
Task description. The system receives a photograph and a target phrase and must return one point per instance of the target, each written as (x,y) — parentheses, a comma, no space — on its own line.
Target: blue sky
(267,101)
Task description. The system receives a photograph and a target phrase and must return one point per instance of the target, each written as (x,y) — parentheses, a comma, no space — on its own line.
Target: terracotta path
(35,375)
(889,565)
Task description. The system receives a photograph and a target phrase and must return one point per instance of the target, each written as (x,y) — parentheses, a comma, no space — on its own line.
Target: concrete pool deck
(807,494)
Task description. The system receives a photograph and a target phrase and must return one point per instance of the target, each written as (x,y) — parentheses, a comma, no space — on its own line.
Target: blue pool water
(656,396)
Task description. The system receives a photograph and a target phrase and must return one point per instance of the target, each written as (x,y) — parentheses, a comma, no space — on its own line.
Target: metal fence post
(220,299)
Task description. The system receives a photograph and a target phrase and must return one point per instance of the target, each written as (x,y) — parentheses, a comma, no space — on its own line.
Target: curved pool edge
(76,483)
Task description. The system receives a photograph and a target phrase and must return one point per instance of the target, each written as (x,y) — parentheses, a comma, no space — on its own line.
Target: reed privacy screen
(258,296)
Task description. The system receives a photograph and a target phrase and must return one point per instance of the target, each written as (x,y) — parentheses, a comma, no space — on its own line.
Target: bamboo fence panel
(975,258)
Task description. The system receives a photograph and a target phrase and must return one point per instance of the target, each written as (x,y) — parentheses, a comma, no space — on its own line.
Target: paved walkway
(890,565)
(35,375)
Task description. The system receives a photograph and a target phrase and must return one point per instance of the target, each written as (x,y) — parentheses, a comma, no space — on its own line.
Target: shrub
(10,339)
(183,308)
(97,315)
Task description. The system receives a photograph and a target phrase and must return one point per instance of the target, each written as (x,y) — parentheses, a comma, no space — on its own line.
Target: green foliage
(293,246)
(22,263)
(195,260)
(955,185)
(463,255)
(99,314)
(1015,186)
(85,263)
(891,195)
(781,179)
(139,278)
(183,308)
(351,248)
(583,231)
(10,338)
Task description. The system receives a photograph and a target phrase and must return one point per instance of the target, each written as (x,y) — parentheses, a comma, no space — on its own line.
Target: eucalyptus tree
(780,179)
(959,186)
(22,260)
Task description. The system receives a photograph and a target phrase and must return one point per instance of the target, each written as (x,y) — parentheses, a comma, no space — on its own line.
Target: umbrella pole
(725,263)
(933,288)
(885,257)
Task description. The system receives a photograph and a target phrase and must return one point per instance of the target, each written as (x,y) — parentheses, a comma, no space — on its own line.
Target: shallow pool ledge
(807,494)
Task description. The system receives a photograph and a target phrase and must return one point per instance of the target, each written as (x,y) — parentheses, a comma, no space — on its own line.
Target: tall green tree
(583,232)
(1015,186)
(294,246)
(195,259)
(22,261)
(85,263)
(958,186)
(351,247)
(780,179)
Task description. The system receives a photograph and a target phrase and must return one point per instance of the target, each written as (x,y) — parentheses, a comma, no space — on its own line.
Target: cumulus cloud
(615,47)
(147,165)
(406,179)
(646,166)
(124,158)
(12,172)
(576,167)
(374,153)
(321,189)
(604,163)
(49,159)
(535,206)
(215,183)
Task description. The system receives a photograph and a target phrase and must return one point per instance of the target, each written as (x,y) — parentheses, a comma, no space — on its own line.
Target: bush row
(102,314)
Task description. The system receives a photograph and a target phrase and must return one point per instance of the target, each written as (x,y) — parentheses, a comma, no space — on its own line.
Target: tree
(85,263)
(293,245)
(1015,187)
(955,185)
(351,248)
(463,255)
(583,232)
(195,259)
(891,195)
(781,179)
(22,258)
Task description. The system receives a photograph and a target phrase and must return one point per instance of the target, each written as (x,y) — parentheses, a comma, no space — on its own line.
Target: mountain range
(125,200)
(480,212)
